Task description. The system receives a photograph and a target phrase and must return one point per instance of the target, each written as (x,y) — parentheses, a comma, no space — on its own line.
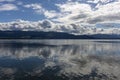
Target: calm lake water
(59,59)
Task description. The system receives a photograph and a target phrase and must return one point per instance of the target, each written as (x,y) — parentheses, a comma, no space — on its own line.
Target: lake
(59,59)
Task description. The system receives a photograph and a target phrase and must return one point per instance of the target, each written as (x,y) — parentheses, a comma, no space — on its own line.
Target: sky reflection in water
(59,60)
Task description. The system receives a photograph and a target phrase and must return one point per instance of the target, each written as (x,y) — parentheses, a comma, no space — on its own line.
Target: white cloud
(106,13)
(8,7)
(76,12)
(36,7)
(33,6)
(73,12)
(97,1)
(50,14)
(81,15)
(47,25)
(41,10)
(70,10)
(73,7)
(19,3)
(7,0)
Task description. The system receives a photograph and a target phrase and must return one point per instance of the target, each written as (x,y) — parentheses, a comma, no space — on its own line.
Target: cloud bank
(47,25)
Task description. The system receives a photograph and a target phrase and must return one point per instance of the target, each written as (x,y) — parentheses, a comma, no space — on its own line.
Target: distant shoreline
(52,35)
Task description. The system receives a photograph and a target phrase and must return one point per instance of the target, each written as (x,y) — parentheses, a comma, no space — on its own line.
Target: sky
(100,13)
(84,11)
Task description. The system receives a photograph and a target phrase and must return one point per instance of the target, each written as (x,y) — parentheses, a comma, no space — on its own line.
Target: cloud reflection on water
(86,60)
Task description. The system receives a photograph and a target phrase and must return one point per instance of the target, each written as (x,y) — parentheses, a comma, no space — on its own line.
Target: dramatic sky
(87,11)
(101,13)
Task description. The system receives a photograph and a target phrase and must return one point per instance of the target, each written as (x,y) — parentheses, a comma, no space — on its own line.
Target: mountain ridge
(52,35)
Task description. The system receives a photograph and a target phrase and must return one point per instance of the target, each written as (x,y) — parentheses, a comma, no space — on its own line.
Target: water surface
(59,60)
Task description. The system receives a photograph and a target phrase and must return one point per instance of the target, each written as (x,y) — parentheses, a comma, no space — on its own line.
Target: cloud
(75,16)
(102,1)
(8,7)
(7,0)
(47,25)
(72,12)
(79,16)
(39,9)
(73,7)
(106,13)
(36,7)
(33,6)
(50,14)
(20,3)
(76,12)
(80,11)
(104,18)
